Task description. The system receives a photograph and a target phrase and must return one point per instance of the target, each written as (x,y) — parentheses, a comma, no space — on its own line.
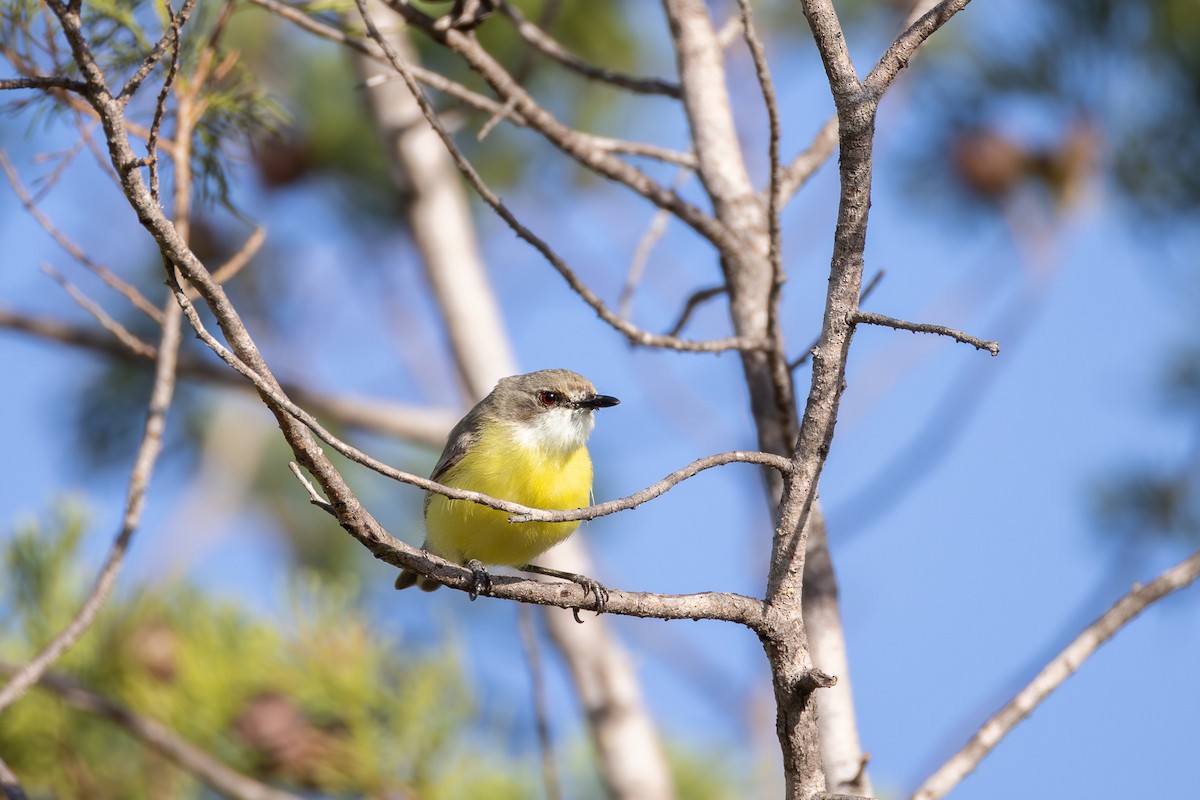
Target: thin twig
(634,334)
(924,327)
(237,262)
(139,479)
(169,39)
(694,301)
(1061,667)
(114,281)
(158,737)
(441,83)
(565,138)
(160,104)
(641,254)
(520,512)
(426,426)
(122,334)
(804,165)
(541,715)
(781,376)
(548,46)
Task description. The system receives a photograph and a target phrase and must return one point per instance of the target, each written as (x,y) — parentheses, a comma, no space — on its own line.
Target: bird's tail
(408,578)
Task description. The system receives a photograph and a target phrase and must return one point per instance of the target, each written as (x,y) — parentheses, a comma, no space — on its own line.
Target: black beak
(597,401)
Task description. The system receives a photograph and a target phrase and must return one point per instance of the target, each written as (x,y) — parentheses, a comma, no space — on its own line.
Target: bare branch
(168,41)
(42,82)
(694,301)
(802,167)
(657,489)
(237,262)
(521,513)
(1061,667)
(122,334)
(641,254)
(923,327)
(114,281)
(461,93)
(563,137)
(139,479)
(161,739)
(551,48)
(427,426)
(897,56)
(634,334)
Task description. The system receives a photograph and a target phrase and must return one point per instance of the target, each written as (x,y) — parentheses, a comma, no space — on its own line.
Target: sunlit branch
(923,327)
(1061,667)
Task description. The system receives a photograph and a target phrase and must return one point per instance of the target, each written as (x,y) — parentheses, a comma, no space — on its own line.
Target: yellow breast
(500,466)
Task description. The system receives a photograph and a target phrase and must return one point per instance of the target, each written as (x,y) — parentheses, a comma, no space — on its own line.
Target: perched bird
(525,442)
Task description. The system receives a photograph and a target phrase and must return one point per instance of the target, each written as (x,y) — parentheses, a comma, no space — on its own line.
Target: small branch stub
(924,327)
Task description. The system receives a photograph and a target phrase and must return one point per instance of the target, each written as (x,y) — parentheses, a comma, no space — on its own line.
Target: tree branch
(1061,667)
(161,739)
(548,46)
(42,82)
(924,327)
(10,787)
(563,137)
(634,334)
(139,479)
(114,281)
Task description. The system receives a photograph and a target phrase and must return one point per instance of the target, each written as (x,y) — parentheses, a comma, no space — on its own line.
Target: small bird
(525,442)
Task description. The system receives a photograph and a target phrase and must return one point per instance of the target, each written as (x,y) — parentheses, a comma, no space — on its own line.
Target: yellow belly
(498,466)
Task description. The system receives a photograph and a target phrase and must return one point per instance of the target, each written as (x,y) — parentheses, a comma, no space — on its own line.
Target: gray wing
(461,438)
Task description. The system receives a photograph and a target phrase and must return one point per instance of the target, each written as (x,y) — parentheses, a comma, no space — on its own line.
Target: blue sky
(983,562)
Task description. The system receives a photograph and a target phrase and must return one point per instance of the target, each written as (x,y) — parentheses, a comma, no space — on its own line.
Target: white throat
(558,430)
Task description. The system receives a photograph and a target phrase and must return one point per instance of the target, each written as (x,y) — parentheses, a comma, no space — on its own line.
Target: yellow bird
(525,442)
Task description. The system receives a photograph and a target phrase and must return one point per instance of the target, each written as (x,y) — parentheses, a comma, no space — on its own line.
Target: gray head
(550,409)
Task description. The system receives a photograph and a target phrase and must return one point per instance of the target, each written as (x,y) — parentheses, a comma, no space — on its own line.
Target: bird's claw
(481,581)
(595,589)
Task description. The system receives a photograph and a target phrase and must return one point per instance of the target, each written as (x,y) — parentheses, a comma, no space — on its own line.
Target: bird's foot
(589,585)
(481,581)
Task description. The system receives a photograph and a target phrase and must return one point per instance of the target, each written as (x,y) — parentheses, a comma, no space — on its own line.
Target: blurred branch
(426,426)
(634,334)
(119,331)
(541,715)
(459,92)
(114,281)
(694,301)
(825,140)
(9,785)
(924,327)
(641,254)
(42,82)
(1061,667)
(551,48)
(168,41)
(565,138)
(161,739)
(139,479)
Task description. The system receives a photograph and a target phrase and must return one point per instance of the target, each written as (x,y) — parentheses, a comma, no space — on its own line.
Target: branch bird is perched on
(525,442)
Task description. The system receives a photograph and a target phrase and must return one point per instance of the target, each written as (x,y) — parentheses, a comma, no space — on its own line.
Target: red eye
(548,398)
